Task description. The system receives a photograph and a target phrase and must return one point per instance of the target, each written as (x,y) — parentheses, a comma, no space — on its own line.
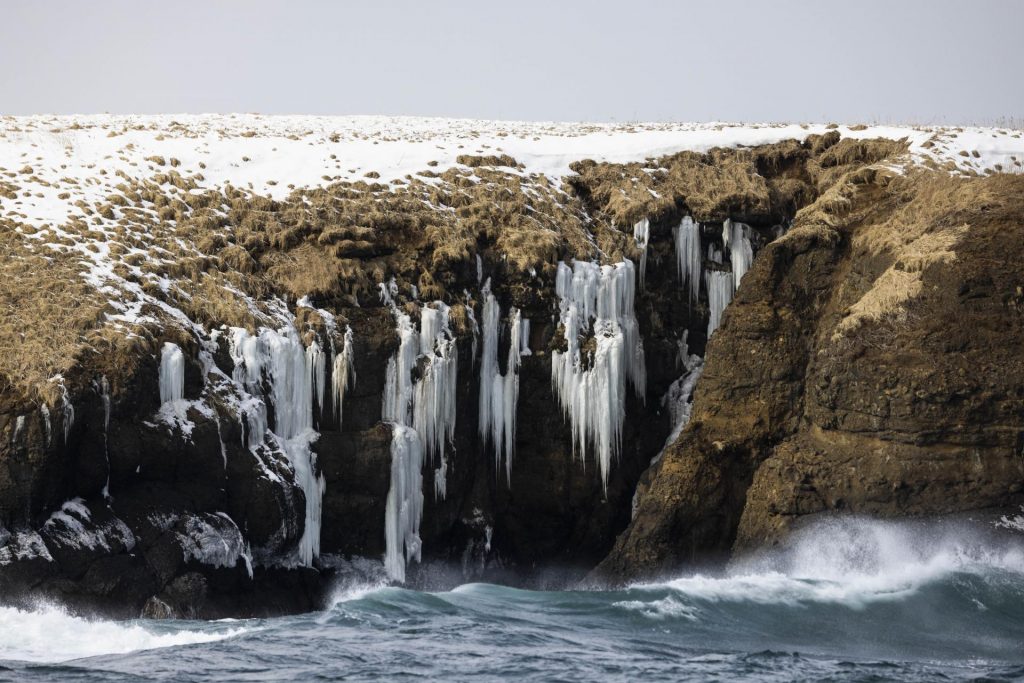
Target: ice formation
(592,389)
(714,254)
(47,427)
(499,393)
(404,507)
(720,286)
(172,373)
(422,413)
(292,373)
(736,238)
(642,237)
(67,409)
(104,389)
(343,374)
(688,256)
(677,399)
(434,393)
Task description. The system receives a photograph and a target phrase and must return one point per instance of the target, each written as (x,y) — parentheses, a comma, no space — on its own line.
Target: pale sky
(886,61)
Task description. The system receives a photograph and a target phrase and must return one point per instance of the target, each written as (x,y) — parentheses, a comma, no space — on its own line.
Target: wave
(856,561)
(51,635)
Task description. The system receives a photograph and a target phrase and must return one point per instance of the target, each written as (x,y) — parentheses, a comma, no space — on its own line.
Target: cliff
(247,357)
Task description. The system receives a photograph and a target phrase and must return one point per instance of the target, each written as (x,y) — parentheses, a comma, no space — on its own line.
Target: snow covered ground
(56,161)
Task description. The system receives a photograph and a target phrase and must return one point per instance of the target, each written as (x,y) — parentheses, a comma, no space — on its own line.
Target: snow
(267,153)
(72,527)
(22,545)
(592,390)
(214,540)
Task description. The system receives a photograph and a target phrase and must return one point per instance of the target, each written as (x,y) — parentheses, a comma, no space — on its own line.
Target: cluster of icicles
(422,410)
(295,375)
(721,284)
(590,380)
(591,386)
(295,378)
(422,414)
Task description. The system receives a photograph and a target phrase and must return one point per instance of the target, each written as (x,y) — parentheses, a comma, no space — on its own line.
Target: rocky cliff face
(223,400)
(870,364)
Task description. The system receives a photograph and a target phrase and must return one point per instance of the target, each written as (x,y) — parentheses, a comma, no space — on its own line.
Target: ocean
(850,600)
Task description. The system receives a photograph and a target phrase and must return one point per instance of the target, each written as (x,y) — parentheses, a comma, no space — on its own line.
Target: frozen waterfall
(499,393)
(688,255)
(343,374)
(642,237)
(591,386)
(172,373)
(736,237)
(295,377)
(422,414)
(720,287)
(404,508)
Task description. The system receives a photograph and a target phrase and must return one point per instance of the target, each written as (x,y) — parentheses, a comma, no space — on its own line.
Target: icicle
(642,237)
(317,369)
(714,254)
(104,387)
(688,255)
(741,251)
(499,394)
(434,395)
(172,373)
(594,398)
(19,427)
(720,286)
(388,291)
(404,507)
(398,376)
(524,338)
(343,374)
(441,479)
(46,422)
(472,319)
(488,359)
(479,269)
(67,409)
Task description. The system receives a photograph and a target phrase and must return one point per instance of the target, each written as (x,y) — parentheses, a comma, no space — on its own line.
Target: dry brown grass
(217,254)
(932,215)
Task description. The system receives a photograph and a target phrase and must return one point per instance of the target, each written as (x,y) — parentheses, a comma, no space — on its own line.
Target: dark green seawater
(850,601)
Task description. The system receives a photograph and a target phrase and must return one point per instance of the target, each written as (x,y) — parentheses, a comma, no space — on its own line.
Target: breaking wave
(855,562)
(847,599)
(49,634)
